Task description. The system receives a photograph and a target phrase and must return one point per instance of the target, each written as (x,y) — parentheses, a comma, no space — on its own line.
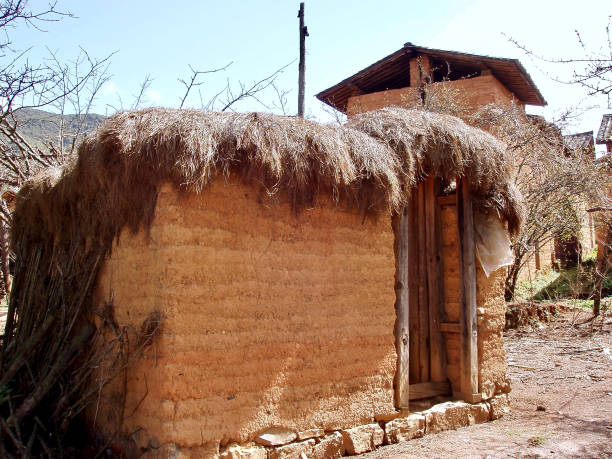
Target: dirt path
(561,399)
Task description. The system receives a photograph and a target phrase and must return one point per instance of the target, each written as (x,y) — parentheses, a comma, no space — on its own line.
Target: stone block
(276,436)
(452,415)
(293,451)
(331,446)
(504,386)
(478,413)
(446,416)
(403,429)
(500,405)
(362,439)
(312,433)
(487,389)
(246,451)
(388,416)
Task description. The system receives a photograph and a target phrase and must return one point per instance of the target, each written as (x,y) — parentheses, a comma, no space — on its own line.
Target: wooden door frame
(469,390)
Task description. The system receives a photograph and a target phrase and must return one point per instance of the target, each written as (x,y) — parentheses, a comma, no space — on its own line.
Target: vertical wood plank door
(419,290)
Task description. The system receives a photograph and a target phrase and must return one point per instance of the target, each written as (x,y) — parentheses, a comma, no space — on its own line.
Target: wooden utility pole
(302,68)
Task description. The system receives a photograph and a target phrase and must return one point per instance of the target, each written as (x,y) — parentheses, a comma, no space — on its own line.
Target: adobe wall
(474,92)
(491,317)
(491,309)
(272,319)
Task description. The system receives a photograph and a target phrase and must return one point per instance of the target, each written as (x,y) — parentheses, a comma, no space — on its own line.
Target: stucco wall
(272,319)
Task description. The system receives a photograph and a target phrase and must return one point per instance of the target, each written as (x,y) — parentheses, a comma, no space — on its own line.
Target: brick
(312,433)
(275,437)
(478,413)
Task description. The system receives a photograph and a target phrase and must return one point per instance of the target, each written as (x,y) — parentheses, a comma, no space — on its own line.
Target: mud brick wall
(272,319)
(474,92)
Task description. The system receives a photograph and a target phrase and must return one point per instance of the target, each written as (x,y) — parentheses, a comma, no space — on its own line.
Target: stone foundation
(277,443)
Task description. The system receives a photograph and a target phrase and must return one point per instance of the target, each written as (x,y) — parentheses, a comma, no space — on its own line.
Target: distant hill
(41,127)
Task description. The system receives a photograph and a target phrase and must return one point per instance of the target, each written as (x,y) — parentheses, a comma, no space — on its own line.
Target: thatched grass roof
(371,163)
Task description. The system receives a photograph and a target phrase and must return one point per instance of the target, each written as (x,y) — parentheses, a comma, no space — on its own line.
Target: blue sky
(160,39)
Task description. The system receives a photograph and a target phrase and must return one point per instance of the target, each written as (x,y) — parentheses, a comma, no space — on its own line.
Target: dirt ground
(561,398)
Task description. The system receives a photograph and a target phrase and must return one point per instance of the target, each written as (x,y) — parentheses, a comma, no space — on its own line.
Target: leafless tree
(592,70)
(233,93)
(63,86)
(557,185)
(192,81)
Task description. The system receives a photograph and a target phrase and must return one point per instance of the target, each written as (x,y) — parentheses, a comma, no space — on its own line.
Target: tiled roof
(605,130)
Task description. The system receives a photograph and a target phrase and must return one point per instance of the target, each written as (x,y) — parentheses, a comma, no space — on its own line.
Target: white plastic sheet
(492,242)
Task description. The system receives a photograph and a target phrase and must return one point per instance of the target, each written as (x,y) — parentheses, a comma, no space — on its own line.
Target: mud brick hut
(312,283)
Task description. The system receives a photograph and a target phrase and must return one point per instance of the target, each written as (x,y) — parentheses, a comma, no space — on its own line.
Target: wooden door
(420,296)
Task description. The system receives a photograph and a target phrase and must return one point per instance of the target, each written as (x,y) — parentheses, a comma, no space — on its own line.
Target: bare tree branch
(144,86)
(231,98)
(192,80)
(592,70)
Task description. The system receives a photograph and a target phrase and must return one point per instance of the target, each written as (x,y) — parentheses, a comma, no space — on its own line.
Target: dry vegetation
(557,185)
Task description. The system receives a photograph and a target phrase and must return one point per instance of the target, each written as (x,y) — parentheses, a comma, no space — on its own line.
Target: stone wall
(272,319)
(320,444)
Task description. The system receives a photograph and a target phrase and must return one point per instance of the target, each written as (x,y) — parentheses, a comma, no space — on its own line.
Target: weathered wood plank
(450,327)
(413,282)
(437,370)
(402,307)
(424,338)
(469,330)
(429,389)
(447,200)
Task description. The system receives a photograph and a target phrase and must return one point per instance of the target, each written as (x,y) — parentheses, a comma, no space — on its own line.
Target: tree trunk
(5,253)
(512,278)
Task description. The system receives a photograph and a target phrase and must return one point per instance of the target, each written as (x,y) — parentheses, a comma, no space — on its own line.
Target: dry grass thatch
(371,163)
(66,220)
